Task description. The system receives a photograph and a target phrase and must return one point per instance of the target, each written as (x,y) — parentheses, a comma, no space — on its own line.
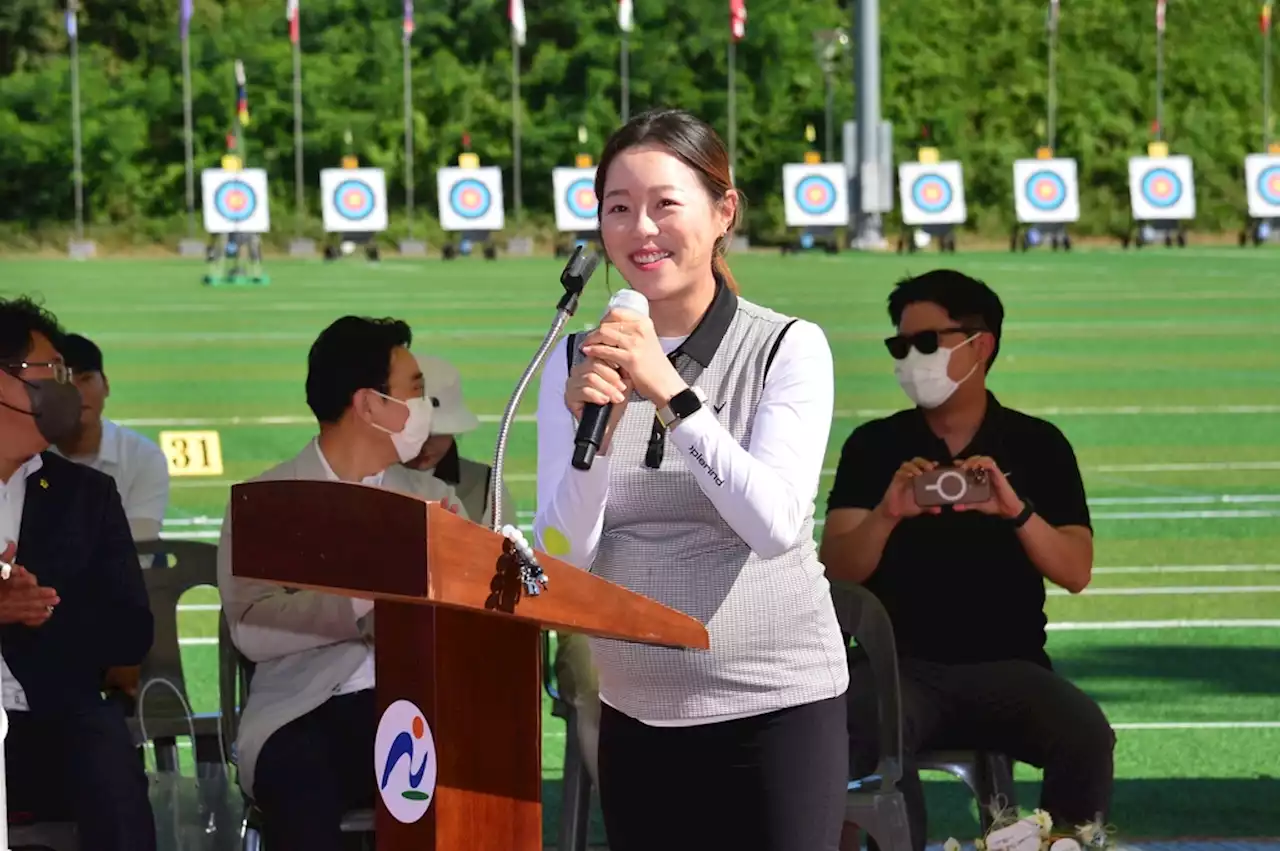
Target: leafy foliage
(974,69)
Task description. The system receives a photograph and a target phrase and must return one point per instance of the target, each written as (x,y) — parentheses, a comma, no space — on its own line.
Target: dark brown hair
(693,142)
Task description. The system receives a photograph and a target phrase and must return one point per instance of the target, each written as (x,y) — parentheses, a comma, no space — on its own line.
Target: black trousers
(80,767)
(773,782)
(1018,708)
(313,770)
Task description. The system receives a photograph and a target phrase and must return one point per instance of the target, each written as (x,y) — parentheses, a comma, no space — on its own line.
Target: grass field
(1162,367)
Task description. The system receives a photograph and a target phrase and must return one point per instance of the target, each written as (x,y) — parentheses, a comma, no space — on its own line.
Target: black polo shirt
(958,586)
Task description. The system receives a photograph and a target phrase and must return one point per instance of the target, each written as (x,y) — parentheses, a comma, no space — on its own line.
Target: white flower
(1043,821)
(951,845)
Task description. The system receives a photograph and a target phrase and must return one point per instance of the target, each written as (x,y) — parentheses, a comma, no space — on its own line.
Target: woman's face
(658,223)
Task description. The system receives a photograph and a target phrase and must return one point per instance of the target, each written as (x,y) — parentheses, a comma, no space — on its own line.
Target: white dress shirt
(13,495)
(141,474)
(363,678)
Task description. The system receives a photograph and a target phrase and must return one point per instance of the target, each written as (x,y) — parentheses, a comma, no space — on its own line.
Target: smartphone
(952,486)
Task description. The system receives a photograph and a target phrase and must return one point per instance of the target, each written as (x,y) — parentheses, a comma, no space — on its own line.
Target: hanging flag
(626,16)
(515,12)
(738,19)
(184,18)
(1264,20)
(1052,22)
(242,96)
(291,12)
(1160,16)
(73,30)
(408,19)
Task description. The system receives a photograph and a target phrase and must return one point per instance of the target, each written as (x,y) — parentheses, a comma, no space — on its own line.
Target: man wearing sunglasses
(964,583)
(72,604)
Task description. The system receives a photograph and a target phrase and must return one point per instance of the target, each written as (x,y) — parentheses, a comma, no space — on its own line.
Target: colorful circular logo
(580,198)
(1046,191)
(354,199)
(404,762)
(235,201)
(932,193)
(816,195)
(470,198)
(1269,185)
(1161,187)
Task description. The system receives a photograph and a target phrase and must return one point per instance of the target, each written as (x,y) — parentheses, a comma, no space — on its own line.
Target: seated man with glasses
(963,582)
(72,605)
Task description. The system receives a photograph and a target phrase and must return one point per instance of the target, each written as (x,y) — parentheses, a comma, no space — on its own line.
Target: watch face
(685,403)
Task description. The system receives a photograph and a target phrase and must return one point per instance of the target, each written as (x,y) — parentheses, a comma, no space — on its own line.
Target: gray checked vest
(775,642)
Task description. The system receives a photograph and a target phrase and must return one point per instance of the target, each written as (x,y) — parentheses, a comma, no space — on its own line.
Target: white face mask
(924,378)
(417,428)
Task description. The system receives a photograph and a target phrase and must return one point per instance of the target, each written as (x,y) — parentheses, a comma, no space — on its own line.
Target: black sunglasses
(924,342)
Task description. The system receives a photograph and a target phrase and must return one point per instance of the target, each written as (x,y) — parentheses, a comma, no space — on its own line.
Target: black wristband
(1024,515)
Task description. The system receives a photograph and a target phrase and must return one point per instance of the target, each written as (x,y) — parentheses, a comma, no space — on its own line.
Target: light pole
(828,45)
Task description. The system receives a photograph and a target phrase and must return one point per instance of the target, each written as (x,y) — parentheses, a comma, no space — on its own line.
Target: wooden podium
(456,635)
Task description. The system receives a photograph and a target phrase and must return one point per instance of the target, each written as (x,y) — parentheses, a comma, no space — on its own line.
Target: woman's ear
(728,210)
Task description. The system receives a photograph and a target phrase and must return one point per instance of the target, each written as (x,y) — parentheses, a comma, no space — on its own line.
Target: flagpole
(1160,71)
(733,107)
(1266,80)
(625,59)
(297,133)
(77,174)
(1053,74)
(515,122)
(187,137)
(408,137)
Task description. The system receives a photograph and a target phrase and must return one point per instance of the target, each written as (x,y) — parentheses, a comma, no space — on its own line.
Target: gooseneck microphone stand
(574,280)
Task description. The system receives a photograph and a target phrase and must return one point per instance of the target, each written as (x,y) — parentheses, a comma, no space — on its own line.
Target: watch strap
(1024,515)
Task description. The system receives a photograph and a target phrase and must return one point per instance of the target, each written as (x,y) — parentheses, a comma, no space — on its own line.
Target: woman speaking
(701,498)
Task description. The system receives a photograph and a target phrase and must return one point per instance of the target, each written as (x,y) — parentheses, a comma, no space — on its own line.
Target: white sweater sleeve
(765,491)
(570,514)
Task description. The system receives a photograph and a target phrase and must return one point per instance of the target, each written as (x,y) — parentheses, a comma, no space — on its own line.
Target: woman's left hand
(627,340)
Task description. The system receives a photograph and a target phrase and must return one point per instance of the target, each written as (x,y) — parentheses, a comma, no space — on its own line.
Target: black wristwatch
(1024,515)
(682,405)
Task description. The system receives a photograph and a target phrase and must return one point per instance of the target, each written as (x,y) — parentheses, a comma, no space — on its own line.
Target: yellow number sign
(192,453)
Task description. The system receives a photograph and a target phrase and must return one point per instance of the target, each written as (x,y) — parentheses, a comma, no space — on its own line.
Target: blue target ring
(1161,187)
(932,193)
(1046,191)
(815,195)
(354,199)
(470,198)
(235,201)
(1269,185)
(580,198)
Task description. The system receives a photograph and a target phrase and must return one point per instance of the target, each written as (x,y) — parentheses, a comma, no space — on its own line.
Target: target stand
(816,203)
(1162,199)
(931,194)
(471,208)
(576,207)
(236,214)
(1046,200)
(1262,187)
(354,208)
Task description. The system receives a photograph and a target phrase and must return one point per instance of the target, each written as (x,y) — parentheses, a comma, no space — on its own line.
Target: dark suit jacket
(75,538)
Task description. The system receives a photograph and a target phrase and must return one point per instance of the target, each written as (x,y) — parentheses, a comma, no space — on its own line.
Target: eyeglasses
(61,372)
(924,342)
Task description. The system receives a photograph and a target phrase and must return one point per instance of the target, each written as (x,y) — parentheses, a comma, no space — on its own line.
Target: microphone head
(629,299)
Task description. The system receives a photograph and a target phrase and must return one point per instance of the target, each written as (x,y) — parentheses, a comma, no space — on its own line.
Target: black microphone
(596,417)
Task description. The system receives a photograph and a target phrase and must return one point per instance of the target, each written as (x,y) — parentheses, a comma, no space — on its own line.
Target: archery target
(1262,185)
(1046,191)
(1162,188)
(575,195)
(815,195)
(470,198)
(353,200)
(235,201)
(932,193)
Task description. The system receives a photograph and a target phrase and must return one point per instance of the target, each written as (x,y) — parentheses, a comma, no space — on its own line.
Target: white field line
(1228,623)
(1158,590)
(1186,568)
(852,413)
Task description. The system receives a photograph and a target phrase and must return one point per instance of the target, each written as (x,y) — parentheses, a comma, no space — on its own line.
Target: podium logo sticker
(404,762)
